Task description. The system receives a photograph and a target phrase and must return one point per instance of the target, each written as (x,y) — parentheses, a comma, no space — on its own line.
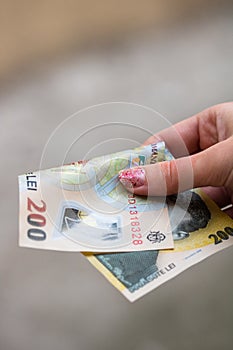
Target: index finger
(190,135)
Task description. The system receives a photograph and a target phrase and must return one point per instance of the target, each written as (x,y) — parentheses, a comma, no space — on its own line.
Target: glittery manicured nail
(133,177)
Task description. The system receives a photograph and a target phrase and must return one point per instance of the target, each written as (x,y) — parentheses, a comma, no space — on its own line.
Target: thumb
(207,168)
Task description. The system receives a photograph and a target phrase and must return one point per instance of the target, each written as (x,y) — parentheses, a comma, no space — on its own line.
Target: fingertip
(132,177)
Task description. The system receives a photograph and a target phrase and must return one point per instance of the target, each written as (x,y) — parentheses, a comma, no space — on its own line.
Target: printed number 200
(37,220)
(221,235)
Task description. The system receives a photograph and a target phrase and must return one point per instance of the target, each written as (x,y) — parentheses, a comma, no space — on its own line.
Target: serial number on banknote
(134,220)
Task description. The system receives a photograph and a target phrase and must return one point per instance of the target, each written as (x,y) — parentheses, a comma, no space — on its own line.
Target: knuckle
(170,174)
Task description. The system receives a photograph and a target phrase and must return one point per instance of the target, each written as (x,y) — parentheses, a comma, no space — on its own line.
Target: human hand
(208,137)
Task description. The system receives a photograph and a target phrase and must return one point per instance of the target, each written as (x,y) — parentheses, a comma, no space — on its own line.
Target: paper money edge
(104,271)
(131,297)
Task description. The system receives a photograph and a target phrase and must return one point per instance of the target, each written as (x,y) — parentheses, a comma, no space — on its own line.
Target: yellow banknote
(203,231)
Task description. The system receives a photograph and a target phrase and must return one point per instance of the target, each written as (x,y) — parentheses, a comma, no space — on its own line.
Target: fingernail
(131,178)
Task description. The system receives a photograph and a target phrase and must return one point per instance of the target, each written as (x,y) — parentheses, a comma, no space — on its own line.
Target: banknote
(204,230)
(83,207)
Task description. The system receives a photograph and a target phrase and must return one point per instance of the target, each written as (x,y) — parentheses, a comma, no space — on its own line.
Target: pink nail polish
(133,177)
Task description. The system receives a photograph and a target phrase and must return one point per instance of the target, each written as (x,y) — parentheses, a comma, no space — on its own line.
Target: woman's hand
(208,138)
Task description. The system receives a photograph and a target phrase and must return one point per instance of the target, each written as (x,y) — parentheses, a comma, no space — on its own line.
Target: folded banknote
(84,207)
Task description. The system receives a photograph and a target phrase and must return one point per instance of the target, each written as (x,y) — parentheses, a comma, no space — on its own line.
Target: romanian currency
(84,207)
(204,230)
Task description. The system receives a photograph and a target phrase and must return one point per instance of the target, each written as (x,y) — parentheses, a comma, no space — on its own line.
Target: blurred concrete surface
(51,300)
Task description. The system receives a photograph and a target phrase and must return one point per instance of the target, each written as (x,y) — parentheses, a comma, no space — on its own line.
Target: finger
(211,167)
(198,132)
(159,179)
(219,195)
(177,137)
(229,212)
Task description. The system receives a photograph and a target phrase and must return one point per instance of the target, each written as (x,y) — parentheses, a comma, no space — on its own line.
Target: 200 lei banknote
(204,230)
(84,207)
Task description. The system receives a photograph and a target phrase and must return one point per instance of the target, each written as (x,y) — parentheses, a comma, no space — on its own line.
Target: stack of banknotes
(137,243)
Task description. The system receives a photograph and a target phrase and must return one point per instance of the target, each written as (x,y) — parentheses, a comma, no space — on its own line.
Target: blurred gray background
(57,58)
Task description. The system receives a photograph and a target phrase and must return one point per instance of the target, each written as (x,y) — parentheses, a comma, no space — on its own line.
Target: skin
(203,145)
